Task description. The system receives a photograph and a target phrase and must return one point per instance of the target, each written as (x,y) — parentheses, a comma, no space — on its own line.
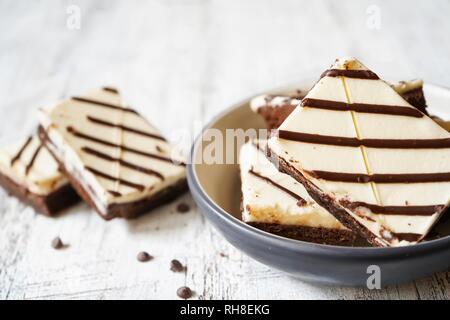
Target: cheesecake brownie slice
(115,159)
(276,108)
(28,172)
(378,164)
(276,203)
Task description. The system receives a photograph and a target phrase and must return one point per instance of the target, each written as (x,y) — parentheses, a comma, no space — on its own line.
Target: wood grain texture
(180,62)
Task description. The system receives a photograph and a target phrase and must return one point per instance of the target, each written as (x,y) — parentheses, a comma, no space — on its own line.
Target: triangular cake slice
(376,163)
(116,160)
(277,203)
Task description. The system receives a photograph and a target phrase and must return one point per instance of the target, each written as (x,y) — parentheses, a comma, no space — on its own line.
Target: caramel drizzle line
(381,177)
(124,148)
(125,128)
(111,89)
(124,163)
(33,158)
(111,178)
(362,107)
(358,74)
(21,150)
(301,201)
(370,143)
(395,210)
(103,104)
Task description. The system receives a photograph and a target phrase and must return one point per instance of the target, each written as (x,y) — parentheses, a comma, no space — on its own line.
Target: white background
(180,62)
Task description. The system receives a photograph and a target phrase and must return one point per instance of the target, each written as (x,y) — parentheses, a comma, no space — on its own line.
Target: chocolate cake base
(49,205)
(323,199)
(127,210)
(416,98)
(274,116)
(309,234)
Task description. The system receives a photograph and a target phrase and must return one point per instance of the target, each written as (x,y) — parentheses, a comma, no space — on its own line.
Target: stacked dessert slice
(275,202)
(117,161)
(379,165)
(28,172)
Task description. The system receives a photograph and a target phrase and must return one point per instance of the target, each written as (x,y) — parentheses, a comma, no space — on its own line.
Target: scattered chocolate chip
(223,255)
(184,292)
(176,266)
(57,243)
(183,207)
(144,256)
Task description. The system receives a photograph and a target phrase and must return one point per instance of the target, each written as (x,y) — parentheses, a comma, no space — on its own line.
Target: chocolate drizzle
(115,193)
(96,172)
(111,89)
(370,143)
(300,201)
(84,136)
(358,74)
(33,158)
(103,104)
(21,150)
(381,178)
(362,107)
(122,162)
(125,128)
(394,210)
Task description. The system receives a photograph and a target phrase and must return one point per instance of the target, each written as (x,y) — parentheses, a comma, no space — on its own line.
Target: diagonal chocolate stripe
(33,159)
(300,201)
(370,143)
(115,193)
(103,104)
(21,150)
(362,107)
(406,210)
(111,89)
(125,128)
(358,74)
(96,172)
(381,178)
(124,163)
(84,136)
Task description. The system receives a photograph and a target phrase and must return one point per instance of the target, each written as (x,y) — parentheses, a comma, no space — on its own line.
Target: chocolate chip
(57,243)
(184,292)
(176,266)
(144,256)
(223,255)
(183,207)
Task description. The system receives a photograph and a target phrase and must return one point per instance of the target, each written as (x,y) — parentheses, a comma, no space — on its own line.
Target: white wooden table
(180,62)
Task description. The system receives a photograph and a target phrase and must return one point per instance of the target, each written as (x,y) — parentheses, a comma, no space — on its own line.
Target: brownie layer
(274,116)
(309,234)
(49,205)
(127,210)
(416,98)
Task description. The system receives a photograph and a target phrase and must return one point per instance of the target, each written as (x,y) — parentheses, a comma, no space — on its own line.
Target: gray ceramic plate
(216,189)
